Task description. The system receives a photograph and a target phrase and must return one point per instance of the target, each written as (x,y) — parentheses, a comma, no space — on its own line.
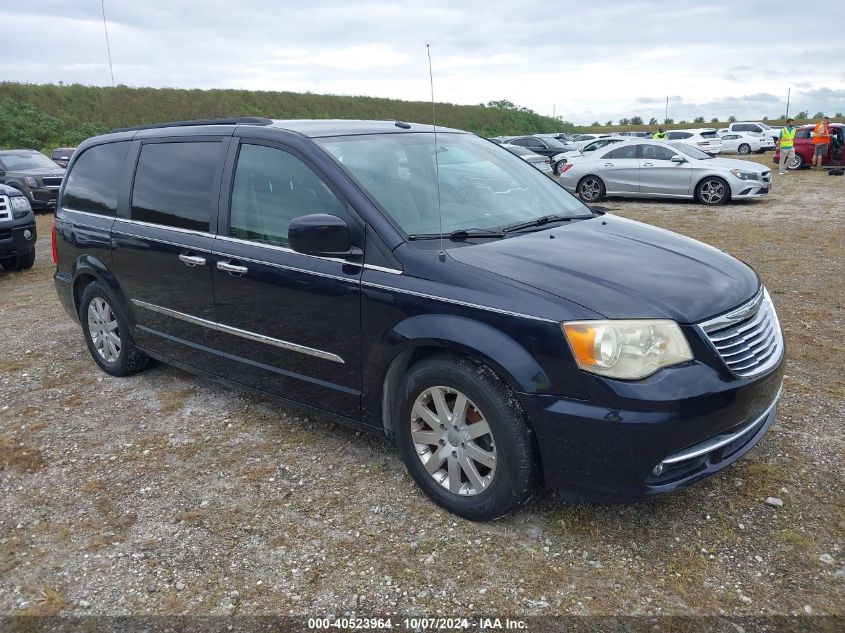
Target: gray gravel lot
(167,494)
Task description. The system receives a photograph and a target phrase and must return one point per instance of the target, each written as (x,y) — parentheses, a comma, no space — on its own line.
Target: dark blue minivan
(435,289)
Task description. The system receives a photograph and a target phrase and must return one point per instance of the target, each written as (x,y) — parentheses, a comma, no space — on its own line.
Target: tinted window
(677,135)
(271,188)
(743,127)
(657,152)
(623,152)
(730,137)
(95,178)
(176,184)
(804,133)
(708,135)
(527,142)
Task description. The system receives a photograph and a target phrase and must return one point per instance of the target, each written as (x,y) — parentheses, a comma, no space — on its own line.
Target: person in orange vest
(821,142)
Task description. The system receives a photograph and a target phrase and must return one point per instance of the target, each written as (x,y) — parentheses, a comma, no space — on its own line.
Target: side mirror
(321,234)
(677,158)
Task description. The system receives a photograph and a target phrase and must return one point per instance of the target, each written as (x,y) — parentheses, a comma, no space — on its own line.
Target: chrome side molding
(228,329)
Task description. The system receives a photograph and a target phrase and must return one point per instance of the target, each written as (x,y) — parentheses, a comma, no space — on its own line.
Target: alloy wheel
(712,191)
(453,440)
(795,162)
(103,330)
(590,189)
(744,149)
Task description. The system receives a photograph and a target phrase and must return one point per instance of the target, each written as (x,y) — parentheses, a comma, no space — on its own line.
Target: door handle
(192,260)
(232,268)
(608,164)
(648,164)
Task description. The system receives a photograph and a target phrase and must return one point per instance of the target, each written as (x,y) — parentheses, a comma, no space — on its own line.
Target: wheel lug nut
(442,427)
(454,453)
(442,442)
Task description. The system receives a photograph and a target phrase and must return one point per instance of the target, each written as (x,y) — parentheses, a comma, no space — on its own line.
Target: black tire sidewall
(26,260)
(122,366)
(514,477)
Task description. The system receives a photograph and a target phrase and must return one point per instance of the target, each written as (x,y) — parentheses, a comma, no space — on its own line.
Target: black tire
(744,149)
(591,189)
(8,263)
(21,261)
(559,165)
(129,359)
(712,191)
(514,478)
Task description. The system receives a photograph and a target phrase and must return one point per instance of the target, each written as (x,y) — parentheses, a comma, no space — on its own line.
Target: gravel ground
(167,494)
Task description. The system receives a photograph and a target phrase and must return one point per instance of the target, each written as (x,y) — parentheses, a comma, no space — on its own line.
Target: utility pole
(788,94)
(108,48)
(666,117)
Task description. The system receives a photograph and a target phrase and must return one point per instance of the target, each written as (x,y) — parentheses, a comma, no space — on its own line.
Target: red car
(804,147)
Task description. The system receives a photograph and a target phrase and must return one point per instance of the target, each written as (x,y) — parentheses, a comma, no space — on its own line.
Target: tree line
(47,116)
(800,116)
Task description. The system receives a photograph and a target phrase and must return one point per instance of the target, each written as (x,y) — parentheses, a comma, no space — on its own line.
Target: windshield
(690,151)
(764,126)
(493,190)
(29,160)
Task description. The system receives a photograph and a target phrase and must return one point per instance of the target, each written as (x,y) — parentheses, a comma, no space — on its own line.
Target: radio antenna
(436,159)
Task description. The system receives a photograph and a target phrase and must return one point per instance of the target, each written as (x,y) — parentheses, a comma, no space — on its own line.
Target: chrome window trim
(89,213)
(160,241)
(719,441)
(466,304)
(228,329)
(165,227)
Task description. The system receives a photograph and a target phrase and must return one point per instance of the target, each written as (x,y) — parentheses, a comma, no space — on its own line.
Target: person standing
(787,145)
(821,142)
(660,135)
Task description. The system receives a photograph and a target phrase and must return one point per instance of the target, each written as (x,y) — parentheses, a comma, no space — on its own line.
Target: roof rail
(241,120)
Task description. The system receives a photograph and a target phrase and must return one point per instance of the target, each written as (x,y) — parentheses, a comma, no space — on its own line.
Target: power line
(108,48)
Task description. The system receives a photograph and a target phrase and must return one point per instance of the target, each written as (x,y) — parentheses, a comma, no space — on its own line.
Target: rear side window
(678,135)
(271,188)
(805,133)
(657,152)
(176,184)
(93,183)
(623,152)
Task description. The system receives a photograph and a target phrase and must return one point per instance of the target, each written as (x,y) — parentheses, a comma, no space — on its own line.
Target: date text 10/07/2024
(416,624)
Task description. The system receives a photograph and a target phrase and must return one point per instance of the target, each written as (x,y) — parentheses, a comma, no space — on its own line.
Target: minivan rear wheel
(712,191)
(591,189)
(107,333)
(464,438)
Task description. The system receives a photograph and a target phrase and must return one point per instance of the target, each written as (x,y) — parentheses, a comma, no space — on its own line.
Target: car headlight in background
(629,349)
(20,206)
(30,181)
(744,175)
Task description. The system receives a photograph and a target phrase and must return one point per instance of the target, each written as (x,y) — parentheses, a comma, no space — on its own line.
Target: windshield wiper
(457,235)
(542,221)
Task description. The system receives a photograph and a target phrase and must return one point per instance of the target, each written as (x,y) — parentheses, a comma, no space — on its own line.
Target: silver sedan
(660,169)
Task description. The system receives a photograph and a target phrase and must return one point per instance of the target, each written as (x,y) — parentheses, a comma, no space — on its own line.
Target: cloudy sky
(585,61)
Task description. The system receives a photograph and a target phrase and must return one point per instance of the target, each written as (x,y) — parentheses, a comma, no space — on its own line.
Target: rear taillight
(53,243)
(566,168)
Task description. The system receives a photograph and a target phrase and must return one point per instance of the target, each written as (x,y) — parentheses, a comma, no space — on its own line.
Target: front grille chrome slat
(748,339)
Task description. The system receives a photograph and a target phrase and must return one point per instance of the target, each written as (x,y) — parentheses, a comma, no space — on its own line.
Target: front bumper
(13,237)
(688,420)
(43,198)
(745,189)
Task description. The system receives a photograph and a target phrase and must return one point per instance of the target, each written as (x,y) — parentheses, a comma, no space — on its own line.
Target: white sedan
(743,143)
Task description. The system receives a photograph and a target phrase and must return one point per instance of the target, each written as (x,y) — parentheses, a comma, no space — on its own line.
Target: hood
(5,190)
(620,269)
(57,172)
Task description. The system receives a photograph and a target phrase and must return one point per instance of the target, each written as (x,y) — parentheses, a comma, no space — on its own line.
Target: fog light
(27,234)
(657,470)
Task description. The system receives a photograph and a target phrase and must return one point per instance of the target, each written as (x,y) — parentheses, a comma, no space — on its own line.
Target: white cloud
(599,61)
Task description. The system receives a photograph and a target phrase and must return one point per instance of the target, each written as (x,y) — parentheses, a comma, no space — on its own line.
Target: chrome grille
(52,181)
(5,208)
(748,338)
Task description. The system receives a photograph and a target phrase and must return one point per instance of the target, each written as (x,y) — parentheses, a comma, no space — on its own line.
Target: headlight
(20,206)
(30,181)
(626,349)
(744,175)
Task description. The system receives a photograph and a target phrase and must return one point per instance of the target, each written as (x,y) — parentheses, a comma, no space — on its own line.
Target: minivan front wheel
(107,333)
(591,189)
(713,191)
(464,438)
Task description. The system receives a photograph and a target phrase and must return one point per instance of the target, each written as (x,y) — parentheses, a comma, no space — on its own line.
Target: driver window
(271,188)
